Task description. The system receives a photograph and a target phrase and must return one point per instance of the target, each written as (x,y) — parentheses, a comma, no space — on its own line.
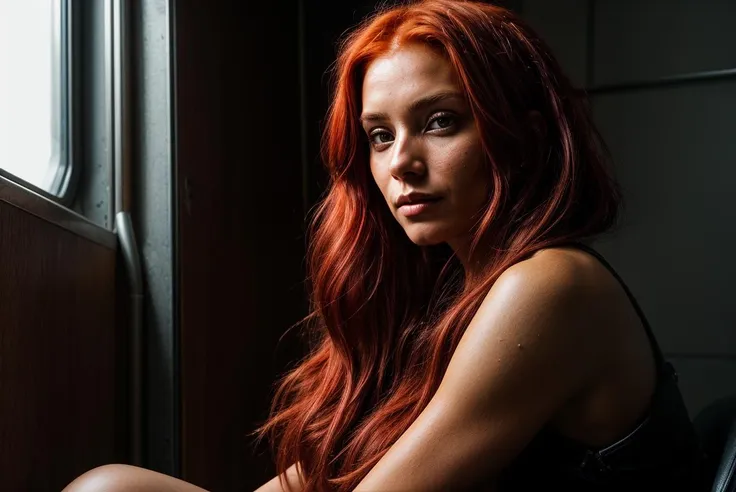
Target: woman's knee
(113,478)
(126,478)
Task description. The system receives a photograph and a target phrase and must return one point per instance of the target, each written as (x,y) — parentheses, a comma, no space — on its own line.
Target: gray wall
(675,156)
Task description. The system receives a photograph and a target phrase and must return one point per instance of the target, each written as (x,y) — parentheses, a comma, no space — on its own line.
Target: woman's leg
(125,478)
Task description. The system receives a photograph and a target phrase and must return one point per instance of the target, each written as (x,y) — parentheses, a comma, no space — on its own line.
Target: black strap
(662,364)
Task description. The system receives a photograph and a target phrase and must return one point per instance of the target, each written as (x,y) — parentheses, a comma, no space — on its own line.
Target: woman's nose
(407,158)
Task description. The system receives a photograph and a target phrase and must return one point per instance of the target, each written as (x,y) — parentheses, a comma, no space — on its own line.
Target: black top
(662,452)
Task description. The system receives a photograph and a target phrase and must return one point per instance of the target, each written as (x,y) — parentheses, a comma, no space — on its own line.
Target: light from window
(31,126)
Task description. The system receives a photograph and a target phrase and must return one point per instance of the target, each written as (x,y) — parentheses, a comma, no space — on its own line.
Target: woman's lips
(418,207)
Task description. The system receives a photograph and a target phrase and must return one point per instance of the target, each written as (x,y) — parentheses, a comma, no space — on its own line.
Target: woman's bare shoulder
(563,260)
(559,272)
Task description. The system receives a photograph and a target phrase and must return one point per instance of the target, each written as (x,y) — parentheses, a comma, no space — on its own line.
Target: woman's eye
(441,122)
(378,138)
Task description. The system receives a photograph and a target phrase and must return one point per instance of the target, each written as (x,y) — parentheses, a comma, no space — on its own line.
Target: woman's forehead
(406,74)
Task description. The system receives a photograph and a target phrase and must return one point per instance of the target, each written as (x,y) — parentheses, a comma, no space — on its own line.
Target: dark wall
(240,219)
(325,22)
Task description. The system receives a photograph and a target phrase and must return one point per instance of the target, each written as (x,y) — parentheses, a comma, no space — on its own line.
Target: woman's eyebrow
(421,103)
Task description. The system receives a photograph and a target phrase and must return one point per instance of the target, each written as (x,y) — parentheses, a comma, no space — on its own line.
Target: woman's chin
(424,238)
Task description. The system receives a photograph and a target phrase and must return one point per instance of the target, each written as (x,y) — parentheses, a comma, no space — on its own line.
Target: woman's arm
(537,340)
(273,485)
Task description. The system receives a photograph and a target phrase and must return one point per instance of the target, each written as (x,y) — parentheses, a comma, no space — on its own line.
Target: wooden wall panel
(62,410)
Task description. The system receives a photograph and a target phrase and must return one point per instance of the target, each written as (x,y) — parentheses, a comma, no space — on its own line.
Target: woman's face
(423,140)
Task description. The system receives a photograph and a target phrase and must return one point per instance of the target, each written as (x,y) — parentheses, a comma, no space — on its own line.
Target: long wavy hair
(386,314)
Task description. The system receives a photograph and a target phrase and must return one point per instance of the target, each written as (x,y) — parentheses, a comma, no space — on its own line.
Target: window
(34,129)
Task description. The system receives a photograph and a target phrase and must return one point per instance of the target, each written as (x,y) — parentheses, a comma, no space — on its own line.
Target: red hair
(386,314)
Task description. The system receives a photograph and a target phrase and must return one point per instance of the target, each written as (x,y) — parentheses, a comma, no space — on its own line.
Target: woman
(464,336)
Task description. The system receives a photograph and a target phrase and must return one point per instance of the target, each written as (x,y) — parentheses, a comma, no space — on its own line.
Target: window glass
(33,92)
